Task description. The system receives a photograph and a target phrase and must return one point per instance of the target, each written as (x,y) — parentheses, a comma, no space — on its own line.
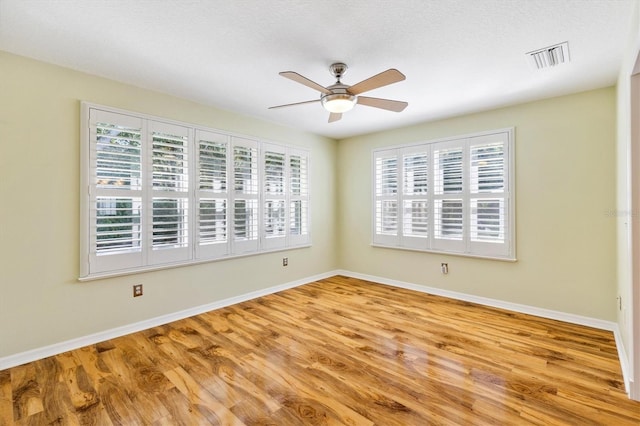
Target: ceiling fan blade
(334,116)
(387,104)
(304,80)
(297,103)
(385,78)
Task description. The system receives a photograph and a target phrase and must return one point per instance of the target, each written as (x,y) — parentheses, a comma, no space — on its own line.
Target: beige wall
(565,187)
(565,169)
(41,301)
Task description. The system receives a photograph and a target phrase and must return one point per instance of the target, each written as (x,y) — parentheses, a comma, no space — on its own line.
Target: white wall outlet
(137,290)
(285,261)
(444,267)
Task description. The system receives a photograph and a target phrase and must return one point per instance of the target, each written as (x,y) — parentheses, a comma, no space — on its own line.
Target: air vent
(549,56)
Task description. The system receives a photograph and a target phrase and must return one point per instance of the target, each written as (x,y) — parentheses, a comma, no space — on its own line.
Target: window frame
(505,251)
(146,258)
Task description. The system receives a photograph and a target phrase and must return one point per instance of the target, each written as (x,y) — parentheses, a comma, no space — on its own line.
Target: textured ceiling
(459,56)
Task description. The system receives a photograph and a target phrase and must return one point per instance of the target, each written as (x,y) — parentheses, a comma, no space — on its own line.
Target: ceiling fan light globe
(338,102)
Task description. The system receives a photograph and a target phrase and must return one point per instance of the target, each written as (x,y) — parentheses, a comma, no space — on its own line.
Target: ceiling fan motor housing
(340,100)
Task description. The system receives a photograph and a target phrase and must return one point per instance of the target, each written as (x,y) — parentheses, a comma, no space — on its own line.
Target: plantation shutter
(449,209)
(115,238)
(298,162)
(386,199)
(157,193)
(212,189)
(488,195)
(168,204)
(244,197)
(274,208)
(452,196)
(415,201)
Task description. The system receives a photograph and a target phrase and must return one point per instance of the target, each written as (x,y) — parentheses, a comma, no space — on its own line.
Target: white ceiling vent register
(549,56)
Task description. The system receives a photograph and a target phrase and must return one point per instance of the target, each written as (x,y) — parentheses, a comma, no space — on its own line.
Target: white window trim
(398,242)
(194,255)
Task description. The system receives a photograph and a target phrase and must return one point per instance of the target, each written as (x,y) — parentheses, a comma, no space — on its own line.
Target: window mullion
(191,193)
(430,197)
(287,196)
(400,197)
(147,208)
(261,198)
(466,199)
(230,196)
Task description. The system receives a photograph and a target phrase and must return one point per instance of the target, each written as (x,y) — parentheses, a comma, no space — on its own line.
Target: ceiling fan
(339,98)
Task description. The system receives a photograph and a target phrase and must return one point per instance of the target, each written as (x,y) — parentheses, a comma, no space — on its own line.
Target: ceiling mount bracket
(337,70)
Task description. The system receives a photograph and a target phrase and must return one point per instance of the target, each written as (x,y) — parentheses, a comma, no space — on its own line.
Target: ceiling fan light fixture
(338,102)
(339,97)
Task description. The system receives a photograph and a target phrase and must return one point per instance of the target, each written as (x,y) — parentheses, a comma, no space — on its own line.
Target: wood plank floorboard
(339,351)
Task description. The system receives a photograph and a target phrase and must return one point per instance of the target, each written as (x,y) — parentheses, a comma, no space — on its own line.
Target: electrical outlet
(444,267)
(137,290)
(619,303)
(285,261)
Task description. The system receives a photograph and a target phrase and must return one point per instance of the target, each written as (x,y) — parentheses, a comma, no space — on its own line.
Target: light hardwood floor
(340,351)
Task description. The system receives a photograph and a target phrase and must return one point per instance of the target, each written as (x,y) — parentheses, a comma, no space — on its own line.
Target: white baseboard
(516,307)
(68,345)
(624,360)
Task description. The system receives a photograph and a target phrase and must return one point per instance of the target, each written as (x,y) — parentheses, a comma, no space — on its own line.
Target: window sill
(448,253)
(125,272)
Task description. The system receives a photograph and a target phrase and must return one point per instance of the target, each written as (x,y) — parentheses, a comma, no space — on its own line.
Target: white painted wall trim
(68,345)
(516,307)
(624,360)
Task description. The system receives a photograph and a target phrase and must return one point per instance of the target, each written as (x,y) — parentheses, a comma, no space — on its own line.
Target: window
(453,196)
(157,193)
